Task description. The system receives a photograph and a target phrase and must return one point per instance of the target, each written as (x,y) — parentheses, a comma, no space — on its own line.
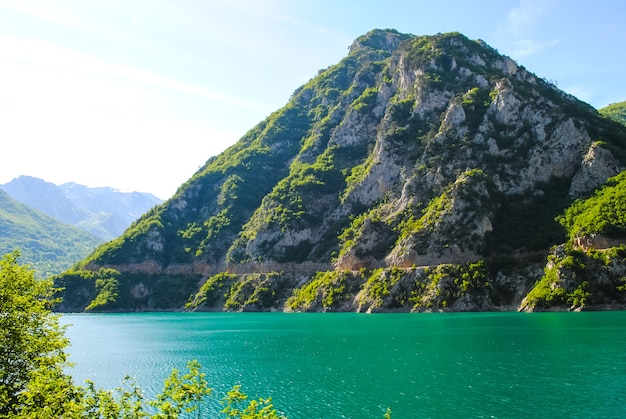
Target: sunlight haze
(137,95)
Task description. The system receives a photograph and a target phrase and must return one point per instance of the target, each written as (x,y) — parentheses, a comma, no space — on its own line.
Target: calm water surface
(504,365)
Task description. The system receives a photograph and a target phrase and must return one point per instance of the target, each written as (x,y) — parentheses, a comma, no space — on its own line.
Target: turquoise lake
(347,365)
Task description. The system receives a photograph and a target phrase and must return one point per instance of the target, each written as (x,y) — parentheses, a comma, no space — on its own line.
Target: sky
(138,94)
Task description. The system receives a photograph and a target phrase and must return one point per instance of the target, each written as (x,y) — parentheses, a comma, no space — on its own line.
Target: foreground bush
(33,383)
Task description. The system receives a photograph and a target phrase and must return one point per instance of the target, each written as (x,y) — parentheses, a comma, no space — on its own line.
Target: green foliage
(544,295)
(329,288)
(378,288)
(431,216)
(90,290)
(576,279)
(253,291)
(472,277)
(211,291)
(580,295)
(236,408)
(364,224)
(422,51)
(467,186)
(291,205)
(366,101)
(475,103)
(358,173)
(33,384)
(445,284)
(129,245)
(615,111)
(30,337)
(45,243)
(181,394)
(108,292)
(401,110)
(109,289)
(603,213)
(549,291)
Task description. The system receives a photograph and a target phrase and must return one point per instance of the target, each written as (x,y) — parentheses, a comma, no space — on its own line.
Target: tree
(30,336)
(33,383)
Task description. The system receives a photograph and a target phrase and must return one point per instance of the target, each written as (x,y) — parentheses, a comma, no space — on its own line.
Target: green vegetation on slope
(590,269)
(576,279)
(49,246)
(108,290)
(615,111)
(411,151)
(603,213)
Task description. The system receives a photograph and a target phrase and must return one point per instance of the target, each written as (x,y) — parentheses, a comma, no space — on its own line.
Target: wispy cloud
(48,55)
(524,18)
(520,26)
(582,92)
(526,47)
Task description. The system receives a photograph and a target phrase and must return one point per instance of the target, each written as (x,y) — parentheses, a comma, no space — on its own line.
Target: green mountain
(419,173)
(615,111)
(48,245)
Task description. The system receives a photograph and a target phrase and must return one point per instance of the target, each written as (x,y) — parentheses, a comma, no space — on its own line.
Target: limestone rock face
(597,166)
(411,153)
(463,212)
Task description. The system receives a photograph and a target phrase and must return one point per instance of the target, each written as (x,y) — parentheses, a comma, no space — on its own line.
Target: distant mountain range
(104,212)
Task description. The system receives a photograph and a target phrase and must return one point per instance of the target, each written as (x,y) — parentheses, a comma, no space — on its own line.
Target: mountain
(45,243)
(104,212)
(419,173)
(615,111)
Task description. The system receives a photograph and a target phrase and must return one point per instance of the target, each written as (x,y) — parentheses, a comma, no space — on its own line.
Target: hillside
(615,111)
(104,212)
(419,173)
(45,243)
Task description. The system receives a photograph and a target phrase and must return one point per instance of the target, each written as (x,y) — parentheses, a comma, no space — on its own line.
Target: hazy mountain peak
(102,211)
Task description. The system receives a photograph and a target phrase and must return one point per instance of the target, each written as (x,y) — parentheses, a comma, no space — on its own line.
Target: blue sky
(137,94)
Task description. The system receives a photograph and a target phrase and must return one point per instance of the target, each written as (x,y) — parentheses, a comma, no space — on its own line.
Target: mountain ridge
(412,151)
(45,243)
(104,212)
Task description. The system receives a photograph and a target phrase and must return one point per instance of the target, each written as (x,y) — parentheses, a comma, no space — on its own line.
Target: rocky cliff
(419,173)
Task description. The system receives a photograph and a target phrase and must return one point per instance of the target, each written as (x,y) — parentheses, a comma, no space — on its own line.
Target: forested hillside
(615,111)
(419,173)
(45,243)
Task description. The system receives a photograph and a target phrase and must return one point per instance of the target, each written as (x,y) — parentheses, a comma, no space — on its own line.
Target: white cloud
(527,47)
(524,18)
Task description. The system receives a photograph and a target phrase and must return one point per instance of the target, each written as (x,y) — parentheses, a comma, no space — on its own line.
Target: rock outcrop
(420,154)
